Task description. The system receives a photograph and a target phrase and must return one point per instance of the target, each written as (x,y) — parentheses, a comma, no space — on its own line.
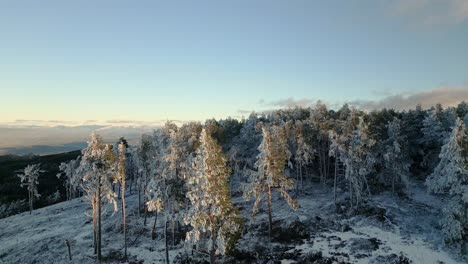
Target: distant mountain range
(43,140)
(43,149)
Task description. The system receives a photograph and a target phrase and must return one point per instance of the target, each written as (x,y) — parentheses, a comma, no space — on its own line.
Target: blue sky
(192,60)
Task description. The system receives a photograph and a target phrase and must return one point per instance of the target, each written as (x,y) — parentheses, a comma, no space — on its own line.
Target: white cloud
(432,12)
(445,96)
(288,102)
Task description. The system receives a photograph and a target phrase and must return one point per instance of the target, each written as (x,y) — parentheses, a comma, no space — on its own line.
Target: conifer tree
(450,177)
(30,179)
(121,178)
(359,162)
(211,213)
(97,183)
(395,161)
(271,163)
(72,179)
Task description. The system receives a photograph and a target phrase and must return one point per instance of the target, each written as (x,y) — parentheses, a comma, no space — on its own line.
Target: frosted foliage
(451,177)
(30,178)
(432,128)
(359,160)
(211,210)
(304,152)
(155,196)
(68,170)
(396,163)
(95,170)
(156,190)
(271,162)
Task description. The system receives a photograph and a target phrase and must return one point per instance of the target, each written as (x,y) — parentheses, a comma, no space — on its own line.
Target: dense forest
(191,177)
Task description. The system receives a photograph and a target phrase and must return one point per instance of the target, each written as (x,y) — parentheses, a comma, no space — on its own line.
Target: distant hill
(44,149)
(10,165)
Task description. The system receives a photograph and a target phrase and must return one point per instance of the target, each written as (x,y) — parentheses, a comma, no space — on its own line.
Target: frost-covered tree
(68,170)
(432,128)
(212,213)
(165,185)
(97,182)
(321,122)
(359,162)
(154,192)
(396,163)
(271,163)
(434,136)
(304,152)
(121,179)
(175,157)
(450,177)
(340,137)
(30,179)
(144,160)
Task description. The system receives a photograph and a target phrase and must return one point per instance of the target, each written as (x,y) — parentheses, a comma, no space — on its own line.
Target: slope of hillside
(387,230)
(10,165)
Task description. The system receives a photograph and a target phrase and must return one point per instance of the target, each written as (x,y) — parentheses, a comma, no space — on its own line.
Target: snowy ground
(389,230)
(40,237)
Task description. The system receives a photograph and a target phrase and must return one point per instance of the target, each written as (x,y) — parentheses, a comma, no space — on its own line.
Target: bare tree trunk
(67,242)
(146,210)
(320,162)
(328,159)
(173,221)
(95,223)
(30,202)
(144,198)
(336,172)
(301,176)
(213,249)
(139,195)
(99,244)
(270,218)
(124,218)
(153,231)
(165,238)
(297,179)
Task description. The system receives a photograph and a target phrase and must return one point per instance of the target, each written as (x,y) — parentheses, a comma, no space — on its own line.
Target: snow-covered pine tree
(271,163)
(30,179)
(395,161)
(72,178)
(212,213)
(340,137)
(359,161)
(432,128)
(304,152)
(154,192)
(321,122)
(165,184)
(450,177)
(97,183)
(144,159)
(434,137)
(176,159)
(121,179)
